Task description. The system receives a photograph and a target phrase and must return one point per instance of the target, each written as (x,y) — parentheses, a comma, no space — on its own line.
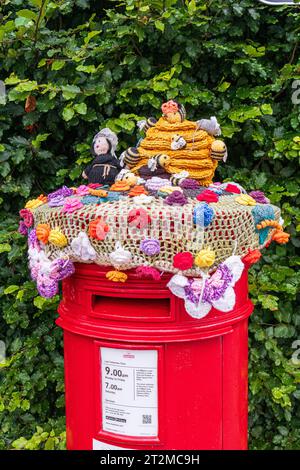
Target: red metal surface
(202,364)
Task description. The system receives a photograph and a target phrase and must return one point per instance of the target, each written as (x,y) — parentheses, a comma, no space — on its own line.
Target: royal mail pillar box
(140,373)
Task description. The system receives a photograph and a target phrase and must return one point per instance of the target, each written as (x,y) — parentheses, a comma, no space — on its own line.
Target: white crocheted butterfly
(216,291)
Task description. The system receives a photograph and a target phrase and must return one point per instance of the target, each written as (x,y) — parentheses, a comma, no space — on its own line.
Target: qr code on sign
(147,419)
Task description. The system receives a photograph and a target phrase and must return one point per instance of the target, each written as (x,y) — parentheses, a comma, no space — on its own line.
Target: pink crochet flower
(82,190)
(27,217)
(169,107)
(259,197)
(72,205)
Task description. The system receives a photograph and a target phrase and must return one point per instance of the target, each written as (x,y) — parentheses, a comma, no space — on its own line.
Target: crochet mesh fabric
(232,230)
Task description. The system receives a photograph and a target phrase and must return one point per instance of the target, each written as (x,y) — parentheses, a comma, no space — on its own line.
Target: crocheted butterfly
(216,291)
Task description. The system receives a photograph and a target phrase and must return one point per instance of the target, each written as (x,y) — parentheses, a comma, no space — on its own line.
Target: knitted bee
(218,150)
(178,142)
(156,166)
(128,177)
(145,124)
(130,157)
(177,178)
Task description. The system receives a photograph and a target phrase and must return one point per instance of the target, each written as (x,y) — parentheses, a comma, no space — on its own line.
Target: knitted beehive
(194,157)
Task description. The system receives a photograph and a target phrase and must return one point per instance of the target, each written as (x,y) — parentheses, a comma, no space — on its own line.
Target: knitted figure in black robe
(105,166)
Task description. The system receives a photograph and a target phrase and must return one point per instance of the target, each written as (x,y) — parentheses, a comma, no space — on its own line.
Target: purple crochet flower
(32,240)
(150,247)
(47,287)
(214,287)
(64,192)
(61,268)
(56,201)
(189,183)
(259,197)
(155,183)
(23,230)
(176,198)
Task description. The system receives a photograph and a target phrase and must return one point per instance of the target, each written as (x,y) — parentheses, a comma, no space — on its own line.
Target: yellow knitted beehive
(194,157)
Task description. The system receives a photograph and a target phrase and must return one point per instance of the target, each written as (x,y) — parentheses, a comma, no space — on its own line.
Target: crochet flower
(205,258)
(46,287)
(61,268)
(91,200)
(281,237)
(95,185)
(245,200)
(27,217)
(208,196)
(216,291)
(82,248)
(113,196)
(148,272)
(150,247)
(232,188)
(64,192)
(183,260)
(169,107)
(259,197)
(142,199)
(155,183)
(33,204)
(23,230)
(189,183)
(116,276)
(98,229)
(138,218)
(57,238)
(56,201)
(203,214)
(72,205)
(252,257)
(43,232)
(176,198)
(32,240)
(82,190)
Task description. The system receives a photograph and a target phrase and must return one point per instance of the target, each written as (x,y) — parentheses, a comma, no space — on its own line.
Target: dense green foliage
(90,64)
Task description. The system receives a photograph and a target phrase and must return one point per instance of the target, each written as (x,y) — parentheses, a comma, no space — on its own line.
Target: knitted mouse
(105,166)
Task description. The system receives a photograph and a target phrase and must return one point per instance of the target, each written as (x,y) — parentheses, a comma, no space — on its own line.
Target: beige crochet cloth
(232,231)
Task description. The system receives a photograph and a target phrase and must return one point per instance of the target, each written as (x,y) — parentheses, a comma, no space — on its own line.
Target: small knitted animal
(156,166)
(105,166)
(218,150)
(145,124)
(130,157)
(211,126)
(178,142)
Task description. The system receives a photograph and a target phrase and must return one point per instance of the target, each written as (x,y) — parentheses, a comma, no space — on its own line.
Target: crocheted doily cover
(231,231)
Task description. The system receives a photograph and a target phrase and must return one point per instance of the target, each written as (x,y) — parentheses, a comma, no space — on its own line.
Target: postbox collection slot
(127,308)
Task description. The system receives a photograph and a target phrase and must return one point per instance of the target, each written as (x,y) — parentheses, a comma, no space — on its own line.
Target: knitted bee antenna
(205,276)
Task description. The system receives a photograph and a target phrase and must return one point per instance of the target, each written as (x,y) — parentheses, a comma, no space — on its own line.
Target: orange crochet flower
(43,232)
(98,229)
(116,276)
(252,257)
(137,191)
(281,237)
(98,192)
(169,107)
(120,186)
(42,198)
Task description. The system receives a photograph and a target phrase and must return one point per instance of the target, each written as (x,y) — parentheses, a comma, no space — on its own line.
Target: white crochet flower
(82,248)
(142,199)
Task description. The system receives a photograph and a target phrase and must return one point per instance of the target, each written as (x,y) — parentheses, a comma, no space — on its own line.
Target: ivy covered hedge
(71,66)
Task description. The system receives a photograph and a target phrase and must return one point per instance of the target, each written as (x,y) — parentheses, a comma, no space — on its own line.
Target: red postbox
(140,373)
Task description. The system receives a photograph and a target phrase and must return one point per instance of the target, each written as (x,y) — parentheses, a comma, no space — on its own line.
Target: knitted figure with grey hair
(105,166)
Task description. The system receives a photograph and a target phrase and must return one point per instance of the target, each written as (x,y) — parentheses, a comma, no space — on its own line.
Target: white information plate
(98,445)
(129,391)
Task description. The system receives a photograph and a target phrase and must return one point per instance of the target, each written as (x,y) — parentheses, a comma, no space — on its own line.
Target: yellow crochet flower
(33,204)
(205,258)
(57,238)
(116,276)
(245,200)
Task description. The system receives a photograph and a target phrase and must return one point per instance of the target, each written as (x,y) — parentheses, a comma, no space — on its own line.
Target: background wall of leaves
(73,66)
